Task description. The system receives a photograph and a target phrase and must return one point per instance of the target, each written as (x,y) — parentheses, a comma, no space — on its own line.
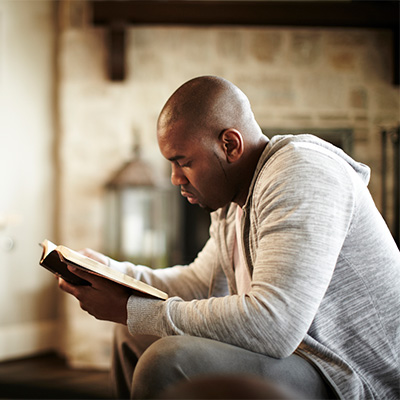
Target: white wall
(28,294)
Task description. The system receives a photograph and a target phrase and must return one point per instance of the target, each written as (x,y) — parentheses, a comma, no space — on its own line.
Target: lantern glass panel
(141,223)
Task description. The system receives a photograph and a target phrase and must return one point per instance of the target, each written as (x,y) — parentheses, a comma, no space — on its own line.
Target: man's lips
(190,197)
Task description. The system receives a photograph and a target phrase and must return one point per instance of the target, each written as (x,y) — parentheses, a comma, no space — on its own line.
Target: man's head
(208,132)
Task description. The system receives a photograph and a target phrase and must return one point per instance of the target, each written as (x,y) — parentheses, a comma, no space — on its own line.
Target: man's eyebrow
(176,158)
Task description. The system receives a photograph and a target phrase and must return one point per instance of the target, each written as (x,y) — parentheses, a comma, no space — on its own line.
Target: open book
(57,258)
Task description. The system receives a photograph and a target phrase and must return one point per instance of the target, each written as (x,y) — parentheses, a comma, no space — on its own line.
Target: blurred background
(81,86)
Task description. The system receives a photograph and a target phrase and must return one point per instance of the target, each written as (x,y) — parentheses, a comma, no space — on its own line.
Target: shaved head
(208,104)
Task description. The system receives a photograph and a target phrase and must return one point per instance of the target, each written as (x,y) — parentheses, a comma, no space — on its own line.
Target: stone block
(305,48)
(361,119)
(230,44)
(358,98)
(342,60)
(376,65)
(297,120)
(347,38)
(322,91)
(266,46)
(361,134)
(279,96)
(385,99)
(334,116)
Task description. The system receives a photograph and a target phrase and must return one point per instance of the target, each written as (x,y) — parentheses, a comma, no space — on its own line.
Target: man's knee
(165,353)
(174,367)
(160,366)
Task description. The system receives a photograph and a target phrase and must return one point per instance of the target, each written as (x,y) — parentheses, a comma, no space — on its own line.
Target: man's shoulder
(291,142)
(297,161)
(310,151)
(287,152)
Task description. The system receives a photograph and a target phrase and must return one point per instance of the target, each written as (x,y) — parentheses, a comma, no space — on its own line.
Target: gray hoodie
(325,273)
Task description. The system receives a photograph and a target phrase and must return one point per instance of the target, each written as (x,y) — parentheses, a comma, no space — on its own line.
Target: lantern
(141,216)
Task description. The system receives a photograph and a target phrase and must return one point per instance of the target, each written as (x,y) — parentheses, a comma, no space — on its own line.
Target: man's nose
(177,177)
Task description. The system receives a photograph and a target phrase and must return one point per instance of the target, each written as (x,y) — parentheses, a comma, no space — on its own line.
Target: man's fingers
(94,280)
(82,274)
(67,287)
(74,290)
(104,299)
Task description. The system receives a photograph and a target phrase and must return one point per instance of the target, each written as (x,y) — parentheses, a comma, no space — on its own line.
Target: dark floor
(48,377)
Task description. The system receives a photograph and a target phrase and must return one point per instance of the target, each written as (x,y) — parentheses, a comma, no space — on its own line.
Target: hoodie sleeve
(194,281)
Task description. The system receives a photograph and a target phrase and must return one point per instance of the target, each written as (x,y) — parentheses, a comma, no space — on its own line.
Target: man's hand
(105,300)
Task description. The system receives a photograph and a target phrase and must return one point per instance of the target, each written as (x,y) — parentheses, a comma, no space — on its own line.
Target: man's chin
(206,208)
(195,201)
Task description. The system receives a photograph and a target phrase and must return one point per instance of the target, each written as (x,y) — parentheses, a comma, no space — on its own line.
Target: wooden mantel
(117,15)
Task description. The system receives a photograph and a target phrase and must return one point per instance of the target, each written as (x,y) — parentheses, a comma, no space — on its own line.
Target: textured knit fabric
(242,274)
(325,273)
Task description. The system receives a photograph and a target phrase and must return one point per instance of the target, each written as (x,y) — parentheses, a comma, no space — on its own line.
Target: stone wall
(295,78)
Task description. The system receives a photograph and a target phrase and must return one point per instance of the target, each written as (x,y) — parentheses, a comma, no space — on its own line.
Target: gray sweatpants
(147,367)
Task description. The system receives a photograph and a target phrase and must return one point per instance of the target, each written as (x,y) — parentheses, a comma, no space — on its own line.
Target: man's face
(198,166)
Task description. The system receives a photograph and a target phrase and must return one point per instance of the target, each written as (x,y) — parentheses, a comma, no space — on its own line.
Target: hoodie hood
(279,141)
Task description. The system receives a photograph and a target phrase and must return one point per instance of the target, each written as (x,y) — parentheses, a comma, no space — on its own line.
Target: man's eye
(186,165)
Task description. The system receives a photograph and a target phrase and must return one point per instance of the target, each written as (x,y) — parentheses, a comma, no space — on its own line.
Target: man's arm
(186,281)
(106,301)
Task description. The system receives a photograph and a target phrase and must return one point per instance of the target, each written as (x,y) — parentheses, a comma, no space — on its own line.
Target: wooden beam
(116,51)
(349,14)
(374,14)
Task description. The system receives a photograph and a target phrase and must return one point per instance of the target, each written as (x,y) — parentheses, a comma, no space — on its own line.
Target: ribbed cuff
(145,316)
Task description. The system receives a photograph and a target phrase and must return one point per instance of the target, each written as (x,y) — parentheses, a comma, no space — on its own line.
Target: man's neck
(248,168)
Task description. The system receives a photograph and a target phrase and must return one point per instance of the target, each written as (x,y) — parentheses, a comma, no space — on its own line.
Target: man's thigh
(174,359)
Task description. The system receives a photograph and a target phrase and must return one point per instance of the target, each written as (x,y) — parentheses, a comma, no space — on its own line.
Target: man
(299,283)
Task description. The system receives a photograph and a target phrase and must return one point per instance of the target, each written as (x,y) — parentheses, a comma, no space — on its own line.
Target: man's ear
(232,144)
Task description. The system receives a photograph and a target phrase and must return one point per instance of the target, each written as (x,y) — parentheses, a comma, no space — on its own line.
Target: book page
(48,247)
(52,261)
(74,258)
